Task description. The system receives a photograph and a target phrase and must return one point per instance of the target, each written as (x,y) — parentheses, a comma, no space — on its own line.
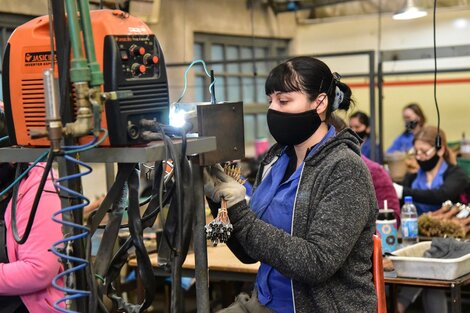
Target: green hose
(79,71)
(96,75)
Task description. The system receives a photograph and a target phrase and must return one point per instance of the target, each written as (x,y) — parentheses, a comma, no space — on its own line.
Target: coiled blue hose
(64,243)
(61,248)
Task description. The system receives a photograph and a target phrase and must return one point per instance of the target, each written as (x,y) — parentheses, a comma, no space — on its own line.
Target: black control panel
(139,56)
(134,63)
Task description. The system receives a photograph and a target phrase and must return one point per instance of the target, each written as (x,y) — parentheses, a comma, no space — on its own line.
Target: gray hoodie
(328,254)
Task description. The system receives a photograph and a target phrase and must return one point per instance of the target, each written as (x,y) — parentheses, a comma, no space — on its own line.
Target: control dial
(136,50)
(138,69)
(150,59)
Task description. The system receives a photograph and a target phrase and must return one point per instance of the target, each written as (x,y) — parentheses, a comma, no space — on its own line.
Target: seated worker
(414,120)
(359,122)
(438,178)
(383,187)
(27,270)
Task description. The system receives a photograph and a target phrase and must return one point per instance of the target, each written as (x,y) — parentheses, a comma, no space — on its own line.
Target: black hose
(37,198)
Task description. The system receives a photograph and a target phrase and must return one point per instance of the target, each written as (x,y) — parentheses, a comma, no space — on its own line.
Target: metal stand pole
(200,243)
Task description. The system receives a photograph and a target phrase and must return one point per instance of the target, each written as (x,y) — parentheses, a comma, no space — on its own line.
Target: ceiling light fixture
(409,12)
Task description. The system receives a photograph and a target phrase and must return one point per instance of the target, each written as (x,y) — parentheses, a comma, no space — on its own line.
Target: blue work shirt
(402,143)
(273,202)
(366,150)
(421,183)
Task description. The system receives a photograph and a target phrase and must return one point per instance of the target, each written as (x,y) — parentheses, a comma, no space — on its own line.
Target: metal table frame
(454,286)
(152,152)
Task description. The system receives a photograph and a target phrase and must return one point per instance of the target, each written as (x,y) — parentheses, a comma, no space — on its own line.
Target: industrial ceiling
(321,9)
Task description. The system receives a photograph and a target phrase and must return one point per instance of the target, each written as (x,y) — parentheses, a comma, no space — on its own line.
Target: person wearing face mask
(312,214)
(359,122)
(414,120)
(437,180)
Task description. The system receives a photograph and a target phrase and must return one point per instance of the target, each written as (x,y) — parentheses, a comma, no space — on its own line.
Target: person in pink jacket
(31,266)
(383,186)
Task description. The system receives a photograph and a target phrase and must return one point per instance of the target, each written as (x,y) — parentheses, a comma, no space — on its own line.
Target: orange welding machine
(129,56)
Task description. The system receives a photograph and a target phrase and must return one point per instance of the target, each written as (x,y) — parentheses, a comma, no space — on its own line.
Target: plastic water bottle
(409,222)
(387,229)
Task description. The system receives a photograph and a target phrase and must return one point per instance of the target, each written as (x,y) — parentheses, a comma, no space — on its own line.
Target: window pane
(281,52)
(197,51)
(248,90)
(249,129)
(260,91)
(262,126)
(233,89)
(246,53)
(232,54)
(220,88)
(217,54)
(199,89)
(261,66)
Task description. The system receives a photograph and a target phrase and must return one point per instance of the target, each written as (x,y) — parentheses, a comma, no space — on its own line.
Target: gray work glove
(218,185)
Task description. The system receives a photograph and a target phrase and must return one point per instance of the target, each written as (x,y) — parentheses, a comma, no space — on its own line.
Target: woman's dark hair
(362,117)
(311,76)
(338,122)
(417,110)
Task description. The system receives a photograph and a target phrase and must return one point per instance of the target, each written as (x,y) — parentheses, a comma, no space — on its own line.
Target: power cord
(186,78)
(438,143)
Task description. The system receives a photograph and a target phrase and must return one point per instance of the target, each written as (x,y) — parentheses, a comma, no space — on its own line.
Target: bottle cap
(408,199)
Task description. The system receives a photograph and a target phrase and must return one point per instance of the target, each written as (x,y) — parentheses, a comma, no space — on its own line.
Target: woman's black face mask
(428,165)
(410,125)
(292,128)
(362,134)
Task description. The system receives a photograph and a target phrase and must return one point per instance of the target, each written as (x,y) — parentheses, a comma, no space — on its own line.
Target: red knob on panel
(136,50)
(137,69)
(150,59)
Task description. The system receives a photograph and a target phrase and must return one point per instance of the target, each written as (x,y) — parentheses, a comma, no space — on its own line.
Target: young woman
(312,214)
(414,120)
(438,178)
(359,122)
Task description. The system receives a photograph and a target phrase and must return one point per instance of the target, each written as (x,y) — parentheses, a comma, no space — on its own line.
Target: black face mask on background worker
(411,125)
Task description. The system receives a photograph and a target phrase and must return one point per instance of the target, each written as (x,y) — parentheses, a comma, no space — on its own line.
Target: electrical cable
(92,144)
(180,213)
(37,198)
(186,78)
(438,137)
(20,177)
(51,31)
(179,188)
(62,248)
(252,20)
(5,138)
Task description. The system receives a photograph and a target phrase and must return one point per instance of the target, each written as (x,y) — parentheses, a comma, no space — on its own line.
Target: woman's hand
(218,186)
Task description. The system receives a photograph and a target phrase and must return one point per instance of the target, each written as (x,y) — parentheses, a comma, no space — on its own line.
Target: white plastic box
(409,262)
